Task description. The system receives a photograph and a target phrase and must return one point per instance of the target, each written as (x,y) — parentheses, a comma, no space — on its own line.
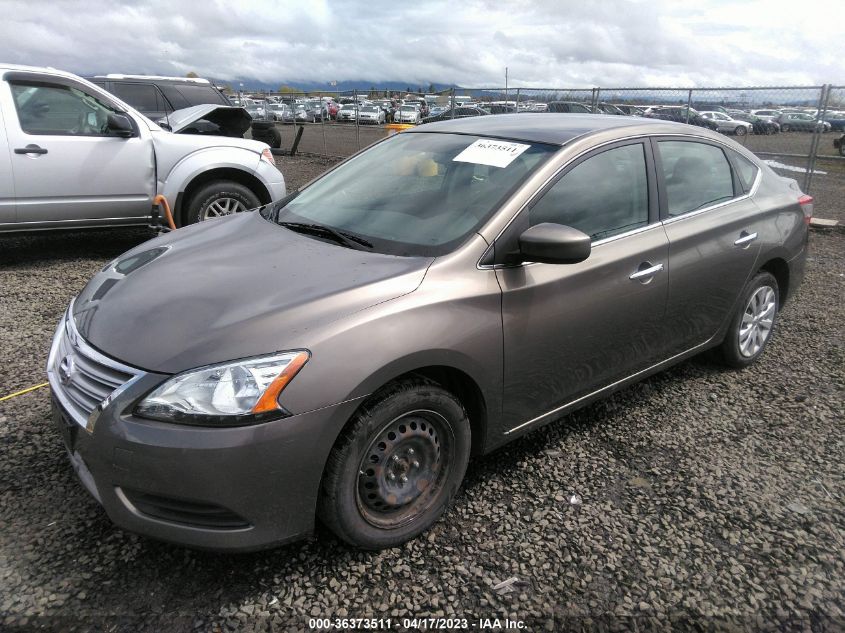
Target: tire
(740,131)
(413,429)
(276,139)
(785,128)
(219,198)
(842,147)
(753,323)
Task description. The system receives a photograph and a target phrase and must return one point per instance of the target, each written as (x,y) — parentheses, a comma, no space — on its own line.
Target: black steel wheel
(404,468)
(395,468)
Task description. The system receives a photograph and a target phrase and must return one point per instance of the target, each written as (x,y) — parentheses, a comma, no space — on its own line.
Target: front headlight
(228,394)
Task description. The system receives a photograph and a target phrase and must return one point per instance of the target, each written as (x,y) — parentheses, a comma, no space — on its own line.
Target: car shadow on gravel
(52,246)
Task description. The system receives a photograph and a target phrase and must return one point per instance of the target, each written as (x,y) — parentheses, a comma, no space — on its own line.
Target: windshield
(415,194)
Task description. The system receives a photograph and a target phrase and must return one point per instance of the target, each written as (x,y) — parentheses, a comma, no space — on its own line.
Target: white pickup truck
(73,155)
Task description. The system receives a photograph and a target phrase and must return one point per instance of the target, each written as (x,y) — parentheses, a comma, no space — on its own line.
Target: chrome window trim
(601,242)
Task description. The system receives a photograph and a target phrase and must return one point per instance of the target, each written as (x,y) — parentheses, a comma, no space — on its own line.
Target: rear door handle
(644,274)
(745,238)
(30,149)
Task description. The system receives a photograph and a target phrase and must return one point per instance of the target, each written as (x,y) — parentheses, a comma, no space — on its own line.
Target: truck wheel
(219,198)
(842,146)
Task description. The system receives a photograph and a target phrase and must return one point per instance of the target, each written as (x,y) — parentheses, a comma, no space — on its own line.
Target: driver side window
(603,196)
(56,109)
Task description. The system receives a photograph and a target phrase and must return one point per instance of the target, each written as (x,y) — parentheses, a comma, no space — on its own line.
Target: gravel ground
(709,499)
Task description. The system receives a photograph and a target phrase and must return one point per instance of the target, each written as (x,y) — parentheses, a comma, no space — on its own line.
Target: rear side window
(746,170)
(143,97)
(603,196)
(198,94)
(697,175)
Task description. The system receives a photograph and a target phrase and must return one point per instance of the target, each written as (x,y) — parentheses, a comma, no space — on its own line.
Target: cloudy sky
(544,43)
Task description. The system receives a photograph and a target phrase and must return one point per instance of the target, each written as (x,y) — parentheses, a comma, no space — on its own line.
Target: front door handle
(646,271)
(745,238)
(30,149)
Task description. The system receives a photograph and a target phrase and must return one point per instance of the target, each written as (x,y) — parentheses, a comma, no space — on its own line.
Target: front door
(570,329)
(66,166)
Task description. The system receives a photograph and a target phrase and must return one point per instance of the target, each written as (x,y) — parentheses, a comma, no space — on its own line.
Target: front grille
(193,513)
(80,376)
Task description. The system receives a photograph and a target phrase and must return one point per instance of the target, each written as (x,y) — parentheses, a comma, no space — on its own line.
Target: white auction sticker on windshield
(491,152)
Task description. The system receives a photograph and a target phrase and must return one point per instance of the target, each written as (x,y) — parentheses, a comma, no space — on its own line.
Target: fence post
(452,102)
(517,101)
(824,98)
(357,129)
(689,105)
(323,125)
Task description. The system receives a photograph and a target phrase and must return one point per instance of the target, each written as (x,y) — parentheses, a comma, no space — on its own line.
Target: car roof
(553,129)
(36,69)
(153,79)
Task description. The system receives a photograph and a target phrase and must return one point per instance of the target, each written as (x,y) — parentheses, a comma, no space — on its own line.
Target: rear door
(572,328)
(65,166)
(712,225)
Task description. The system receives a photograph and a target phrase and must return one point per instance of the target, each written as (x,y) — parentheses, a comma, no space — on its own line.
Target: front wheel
(394,470)
(842,147)
(752,325)
(785,128)
(219,198)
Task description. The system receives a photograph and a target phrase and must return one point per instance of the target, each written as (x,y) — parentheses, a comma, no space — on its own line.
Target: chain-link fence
(791,127)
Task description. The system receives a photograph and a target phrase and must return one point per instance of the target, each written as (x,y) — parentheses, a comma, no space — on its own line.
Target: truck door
(66,166)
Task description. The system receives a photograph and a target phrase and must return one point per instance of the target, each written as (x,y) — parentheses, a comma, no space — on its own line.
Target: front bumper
(227,489)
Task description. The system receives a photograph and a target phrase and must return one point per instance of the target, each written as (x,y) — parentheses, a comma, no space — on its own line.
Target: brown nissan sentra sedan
(342,352)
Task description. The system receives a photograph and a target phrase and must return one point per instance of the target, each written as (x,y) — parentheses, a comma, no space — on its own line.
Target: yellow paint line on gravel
(23,391)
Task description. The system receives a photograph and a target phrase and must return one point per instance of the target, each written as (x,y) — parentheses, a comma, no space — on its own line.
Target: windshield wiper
(349,240)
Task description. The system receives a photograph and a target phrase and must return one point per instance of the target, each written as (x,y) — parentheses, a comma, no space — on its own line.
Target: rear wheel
(842,146)
(753,323)
(785,128)
(219,198)
(395,468)
(740,131)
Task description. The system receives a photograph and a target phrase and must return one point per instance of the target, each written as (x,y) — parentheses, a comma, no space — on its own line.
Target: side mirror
(120,125)
(554,244)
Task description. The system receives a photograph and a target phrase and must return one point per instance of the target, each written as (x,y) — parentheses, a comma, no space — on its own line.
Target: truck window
(56,109)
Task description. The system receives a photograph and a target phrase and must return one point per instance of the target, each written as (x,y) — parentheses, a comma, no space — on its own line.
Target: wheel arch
(245,178)
(779,269)
(453,372)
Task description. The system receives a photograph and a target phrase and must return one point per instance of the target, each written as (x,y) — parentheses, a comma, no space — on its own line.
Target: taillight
(806,203)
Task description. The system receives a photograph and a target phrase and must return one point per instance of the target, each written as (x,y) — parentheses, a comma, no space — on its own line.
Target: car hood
(231,288)
(231,118)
